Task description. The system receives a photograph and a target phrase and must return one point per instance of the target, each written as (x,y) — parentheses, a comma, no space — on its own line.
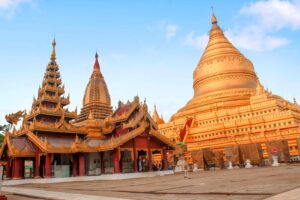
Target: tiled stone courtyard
(255,183)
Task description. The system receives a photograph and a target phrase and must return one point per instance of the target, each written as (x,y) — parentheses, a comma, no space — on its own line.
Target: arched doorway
(142,161)
(126,161)
(156,160)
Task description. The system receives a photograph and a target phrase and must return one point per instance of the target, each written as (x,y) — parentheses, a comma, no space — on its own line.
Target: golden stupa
(96,101)
(230,106)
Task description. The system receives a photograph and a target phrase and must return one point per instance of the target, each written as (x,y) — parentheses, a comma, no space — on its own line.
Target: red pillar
(116,160)
(135,164)
(149,155)
(102,162)
(8,167)
(37,166)
(17,168)
(48,166)
(81,164)
(75,165)
(165,160)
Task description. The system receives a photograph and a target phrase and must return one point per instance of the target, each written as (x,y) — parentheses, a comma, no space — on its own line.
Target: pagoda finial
(96,65)
(213,17)
(259,88)
(53,54)
(295,101)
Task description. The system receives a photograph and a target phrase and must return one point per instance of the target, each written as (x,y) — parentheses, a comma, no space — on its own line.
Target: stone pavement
(254,184)
(289,195)
(87,178)
(42,194)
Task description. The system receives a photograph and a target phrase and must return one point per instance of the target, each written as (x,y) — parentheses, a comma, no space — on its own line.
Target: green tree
(3,129)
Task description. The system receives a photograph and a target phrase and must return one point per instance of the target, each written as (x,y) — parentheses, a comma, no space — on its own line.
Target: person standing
(140,163)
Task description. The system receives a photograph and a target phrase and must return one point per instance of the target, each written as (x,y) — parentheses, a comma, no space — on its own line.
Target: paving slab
(54,195)
(289,195)
(88,178)
(238,184)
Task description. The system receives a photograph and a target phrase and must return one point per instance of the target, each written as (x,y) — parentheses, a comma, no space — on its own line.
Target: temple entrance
(108,162)
(156,160)
(126,161)
(142,161)
(93,165)
(42,165)
(28,169)
(61,165)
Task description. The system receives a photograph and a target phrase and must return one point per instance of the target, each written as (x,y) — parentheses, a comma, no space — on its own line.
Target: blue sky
(149,48)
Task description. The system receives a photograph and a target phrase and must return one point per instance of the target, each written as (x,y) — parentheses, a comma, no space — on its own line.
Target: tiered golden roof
(96,100)
(47,111)
(48,127)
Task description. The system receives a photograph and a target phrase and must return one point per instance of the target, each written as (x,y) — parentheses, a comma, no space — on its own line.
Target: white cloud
(274,14)
(255,39)
(262,22)
(8,7)
(171,30)
(260,33)
(198,42)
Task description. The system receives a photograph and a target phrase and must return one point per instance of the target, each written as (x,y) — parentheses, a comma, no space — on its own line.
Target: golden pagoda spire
(156,118)
(96,65)
(213,17)
(259,88)
(53,54)
(295,101)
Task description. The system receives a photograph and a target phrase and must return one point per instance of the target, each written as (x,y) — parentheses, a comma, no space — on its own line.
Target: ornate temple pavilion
(230,107)
(54,142)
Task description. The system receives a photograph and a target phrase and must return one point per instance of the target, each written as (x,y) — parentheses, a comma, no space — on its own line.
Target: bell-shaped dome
(96,100)
(222,66)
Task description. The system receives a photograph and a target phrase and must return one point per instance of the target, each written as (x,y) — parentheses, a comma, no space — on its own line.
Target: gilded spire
(259,88)
(53,54)
(96,100)
(213,17)
(156,118)
(295,101)
(96,65)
